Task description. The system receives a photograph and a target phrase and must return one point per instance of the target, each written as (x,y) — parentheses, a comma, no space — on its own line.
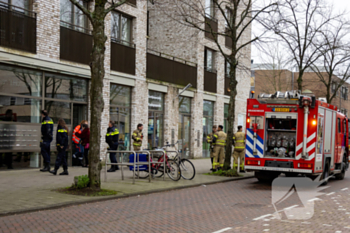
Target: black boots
(46,168)
(113,168)
(54,171)
(65,172)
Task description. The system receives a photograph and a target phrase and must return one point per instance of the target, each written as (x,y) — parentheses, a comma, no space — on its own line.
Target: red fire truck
(295,134)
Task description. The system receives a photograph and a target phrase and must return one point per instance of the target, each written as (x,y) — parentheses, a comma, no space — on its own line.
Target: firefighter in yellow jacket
(137,136)
(211,148)
(239,151)
(219,149)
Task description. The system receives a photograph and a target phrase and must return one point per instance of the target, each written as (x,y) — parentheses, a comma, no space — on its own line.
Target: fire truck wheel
(341,175)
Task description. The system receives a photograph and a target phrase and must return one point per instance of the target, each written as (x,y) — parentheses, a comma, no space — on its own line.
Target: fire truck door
(329,135)
(319,141)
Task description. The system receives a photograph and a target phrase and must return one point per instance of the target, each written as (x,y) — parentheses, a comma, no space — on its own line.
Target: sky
(339,5)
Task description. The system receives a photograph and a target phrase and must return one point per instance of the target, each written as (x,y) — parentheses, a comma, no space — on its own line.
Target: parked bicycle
(187,168)
(157,169)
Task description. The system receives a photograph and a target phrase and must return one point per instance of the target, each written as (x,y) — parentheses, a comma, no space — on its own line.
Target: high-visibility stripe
(215,135)
(47,122)
(116,132)
(234,138)
(239,147)
(136,144)
(62,131)
(240,141)
(135,134)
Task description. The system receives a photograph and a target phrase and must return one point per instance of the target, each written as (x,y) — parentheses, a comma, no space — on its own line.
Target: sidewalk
(31,190)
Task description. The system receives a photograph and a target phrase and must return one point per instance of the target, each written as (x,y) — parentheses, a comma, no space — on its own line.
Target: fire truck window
(339,126)
(344,126)
(320,136)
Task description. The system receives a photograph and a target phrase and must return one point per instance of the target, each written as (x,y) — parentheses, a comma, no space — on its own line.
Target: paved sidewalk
(30,190)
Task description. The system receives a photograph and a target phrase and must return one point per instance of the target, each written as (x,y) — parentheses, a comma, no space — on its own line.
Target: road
(239,206)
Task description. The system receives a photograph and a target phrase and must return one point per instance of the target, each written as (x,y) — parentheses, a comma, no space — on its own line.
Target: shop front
(23,94)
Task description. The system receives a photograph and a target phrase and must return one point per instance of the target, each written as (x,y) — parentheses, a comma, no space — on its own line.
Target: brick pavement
(25,190)
(200,209)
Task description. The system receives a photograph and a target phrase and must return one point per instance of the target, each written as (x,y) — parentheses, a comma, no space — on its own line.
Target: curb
(100,199)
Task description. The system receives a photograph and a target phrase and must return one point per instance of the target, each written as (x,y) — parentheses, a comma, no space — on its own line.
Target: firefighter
(79,148)
(61,143)
(219,140)
(112,138)
(137,136)
(239,146)
(47,136)
(210,141)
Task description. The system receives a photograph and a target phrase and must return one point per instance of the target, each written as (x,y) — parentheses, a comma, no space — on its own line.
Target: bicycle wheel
(173,170)
(187,169)
(141,174)
(160,172)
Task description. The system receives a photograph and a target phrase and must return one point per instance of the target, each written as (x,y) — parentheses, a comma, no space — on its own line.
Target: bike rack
(164,160)
(121,164)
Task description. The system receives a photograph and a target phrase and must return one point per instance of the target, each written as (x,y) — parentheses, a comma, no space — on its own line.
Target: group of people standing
(217,141)
(81,140)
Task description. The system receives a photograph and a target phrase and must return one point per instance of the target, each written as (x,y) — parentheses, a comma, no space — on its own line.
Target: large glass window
(184,126)
(20,5)
(120,103)
(208,116)
(209,60)
(72,17)
(155,119)
(184,104)
(20,81)
(209,8)
(66,88)
(121,28)
(19,109)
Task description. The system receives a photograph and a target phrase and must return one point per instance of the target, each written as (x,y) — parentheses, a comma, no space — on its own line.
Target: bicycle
(187,168)
(157,170)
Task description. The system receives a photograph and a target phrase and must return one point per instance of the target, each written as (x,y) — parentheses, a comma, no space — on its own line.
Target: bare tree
(238,16)
(299,24)
(97,19)
(273,73)
(333,68)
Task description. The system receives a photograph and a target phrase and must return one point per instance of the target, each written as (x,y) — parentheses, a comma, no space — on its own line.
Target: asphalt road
(239,206)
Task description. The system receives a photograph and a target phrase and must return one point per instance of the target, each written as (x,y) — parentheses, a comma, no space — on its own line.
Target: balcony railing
(163,67)
(75,43)
(17,28)
(123,56)
(211,25)
(210,80)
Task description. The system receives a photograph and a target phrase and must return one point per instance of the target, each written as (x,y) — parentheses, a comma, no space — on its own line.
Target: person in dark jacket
(46,139)
(84,135)
(112,138)
(62,144)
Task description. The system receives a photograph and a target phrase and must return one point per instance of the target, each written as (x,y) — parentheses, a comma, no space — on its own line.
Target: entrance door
(155,130)
(79,113)
(207,128)
(184,127)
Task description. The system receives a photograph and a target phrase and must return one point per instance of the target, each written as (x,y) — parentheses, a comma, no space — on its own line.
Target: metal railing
(123,42)
(170,57)
(75,27)
(135,163)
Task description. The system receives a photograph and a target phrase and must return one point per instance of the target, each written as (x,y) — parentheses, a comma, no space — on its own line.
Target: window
(72,17)
(20,5)
(228,15)
(120,113)
(228,68)
(344,93)
(155,119)
(20,81)
(184,105)
(209,60)
(121,28)
(208,121)
(62,87)
(209,8)
(333,87)
(339,126)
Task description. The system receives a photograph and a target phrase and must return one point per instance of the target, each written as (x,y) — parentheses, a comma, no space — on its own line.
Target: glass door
(79,114)
(207,127)
(155,130)
(184,127)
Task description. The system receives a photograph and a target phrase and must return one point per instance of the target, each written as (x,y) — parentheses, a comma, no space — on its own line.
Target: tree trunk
(300,81)
(231,113)
(96,94)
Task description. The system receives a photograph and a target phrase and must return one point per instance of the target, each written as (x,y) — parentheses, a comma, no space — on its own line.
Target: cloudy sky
(339,5)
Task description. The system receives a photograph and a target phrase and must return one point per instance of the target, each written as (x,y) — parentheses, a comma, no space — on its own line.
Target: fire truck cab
(294,134)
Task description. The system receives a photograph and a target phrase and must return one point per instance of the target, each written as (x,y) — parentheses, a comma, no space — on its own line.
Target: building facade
(45,51)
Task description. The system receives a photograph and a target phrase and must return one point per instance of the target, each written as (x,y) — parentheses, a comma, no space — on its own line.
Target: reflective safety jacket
(210,139)
(137,136)
(220,138)
(61,136)
(47,129)
(75,139)
(239,139)
(112,136)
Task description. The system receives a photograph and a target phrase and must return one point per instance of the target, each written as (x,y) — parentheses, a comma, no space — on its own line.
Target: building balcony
(17,28)
(165,68)
(75,43)
(210,80)
(211,25)
(123,56)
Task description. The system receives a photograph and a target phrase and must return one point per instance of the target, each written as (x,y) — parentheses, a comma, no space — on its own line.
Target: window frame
(120,40)
(71,25)
(210,8)
(213,70)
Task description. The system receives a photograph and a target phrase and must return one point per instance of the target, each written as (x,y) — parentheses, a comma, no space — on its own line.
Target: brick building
(44,64)
(269,80)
